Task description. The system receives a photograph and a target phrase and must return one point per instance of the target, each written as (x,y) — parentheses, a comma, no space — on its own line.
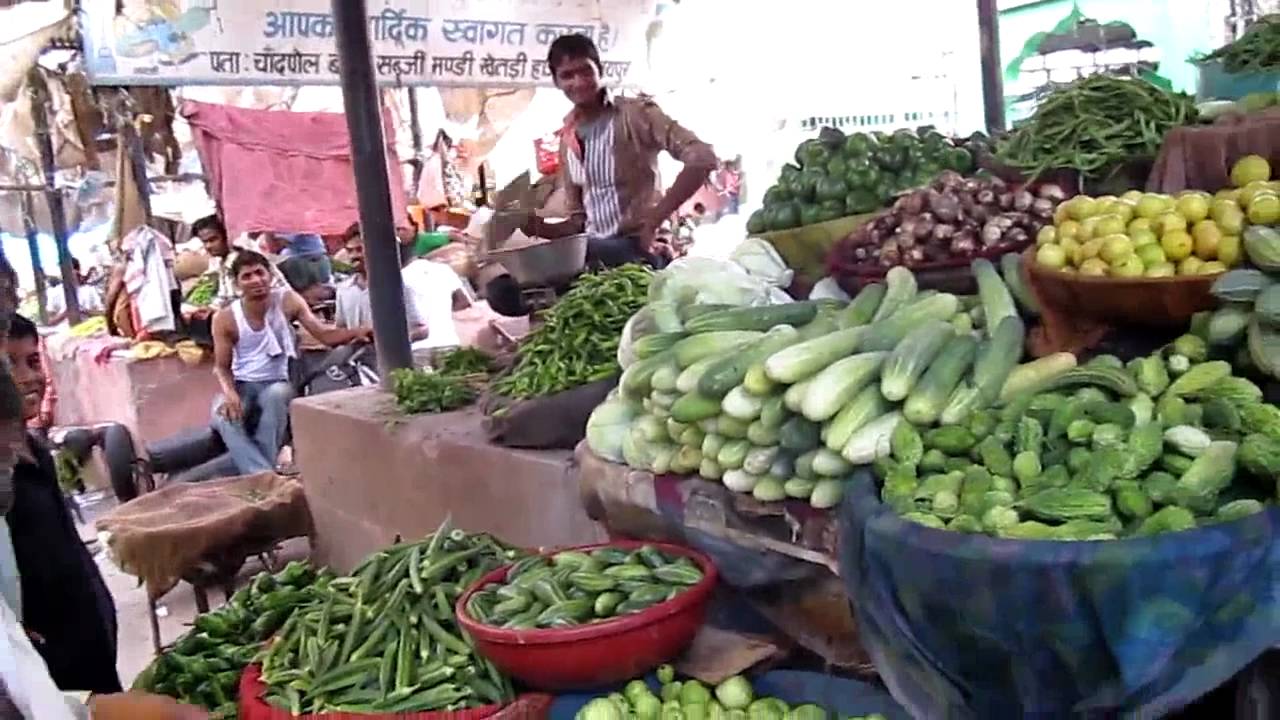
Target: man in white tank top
(253,341)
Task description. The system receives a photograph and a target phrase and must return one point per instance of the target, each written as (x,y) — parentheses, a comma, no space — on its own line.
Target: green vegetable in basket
(735,693)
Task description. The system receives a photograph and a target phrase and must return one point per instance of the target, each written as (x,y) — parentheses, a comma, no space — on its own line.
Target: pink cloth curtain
(283,171)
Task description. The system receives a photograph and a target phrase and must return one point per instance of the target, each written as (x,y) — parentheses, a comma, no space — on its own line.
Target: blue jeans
(266,411)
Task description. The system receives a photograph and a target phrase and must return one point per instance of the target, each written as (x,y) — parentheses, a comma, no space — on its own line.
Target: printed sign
(291,42)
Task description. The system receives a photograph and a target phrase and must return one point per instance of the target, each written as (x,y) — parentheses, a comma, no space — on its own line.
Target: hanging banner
(415,42)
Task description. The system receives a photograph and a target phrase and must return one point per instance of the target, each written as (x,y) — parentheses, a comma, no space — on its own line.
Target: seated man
(352,307)
(252,344)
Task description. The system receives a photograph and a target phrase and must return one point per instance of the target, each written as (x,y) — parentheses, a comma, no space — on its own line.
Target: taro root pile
(949,222)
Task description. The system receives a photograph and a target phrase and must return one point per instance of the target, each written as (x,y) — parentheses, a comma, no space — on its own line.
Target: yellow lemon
(1051,256)
(1229,250)
(1068,229)
(1095,266)
(1213,267)
(1132,197)
(1265,209)
(1143,237)
(1149,206)
(1047,234)
(1081,207)
(1086,250)
(1249,169)
(1088,228)
(1164,269)
(1151,255)
(1115,247)
(1128,266)
(1206,236)
(1170,222)
(1110,224)
(1192,207)
(1177,245)
(1139,224)
(1190,266)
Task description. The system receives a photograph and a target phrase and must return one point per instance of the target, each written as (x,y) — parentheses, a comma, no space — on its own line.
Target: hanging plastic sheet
(969,626)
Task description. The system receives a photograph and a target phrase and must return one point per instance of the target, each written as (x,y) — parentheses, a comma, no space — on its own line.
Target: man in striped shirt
(609,149)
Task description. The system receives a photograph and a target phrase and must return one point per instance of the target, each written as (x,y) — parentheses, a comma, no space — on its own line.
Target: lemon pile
(1153,235)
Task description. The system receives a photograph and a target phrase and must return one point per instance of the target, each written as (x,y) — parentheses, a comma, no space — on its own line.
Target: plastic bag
(829,289)
(610,426)
(692,280)
(640,325)
(760,259)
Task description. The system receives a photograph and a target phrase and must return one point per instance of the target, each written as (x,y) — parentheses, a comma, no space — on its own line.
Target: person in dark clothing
(67,609)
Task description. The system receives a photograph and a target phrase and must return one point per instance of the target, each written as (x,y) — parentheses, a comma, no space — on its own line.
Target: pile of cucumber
(573,588)
(783,401)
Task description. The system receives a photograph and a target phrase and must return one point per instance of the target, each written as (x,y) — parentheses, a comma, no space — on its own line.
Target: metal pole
(989,51)
(57,213)
(373,189)
(33,248)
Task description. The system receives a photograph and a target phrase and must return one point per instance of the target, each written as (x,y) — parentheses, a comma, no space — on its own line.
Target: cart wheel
(117,447)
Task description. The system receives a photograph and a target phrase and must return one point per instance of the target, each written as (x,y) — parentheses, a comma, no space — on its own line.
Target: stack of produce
(835,176)
(203,667)
(783,401)
(1166,443)
(385,639)
(577,342)
(203,292)
(691,700)
(1258,50)
(450,385)
(1095,126)
(951,221)
(1153,235)
(574,588)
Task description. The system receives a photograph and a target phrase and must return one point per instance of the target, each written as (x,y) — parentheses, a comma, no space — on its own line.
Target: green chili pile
(462,362)
(1095,125)
(578,342)
(422,391)
(1258,50)
(204,291)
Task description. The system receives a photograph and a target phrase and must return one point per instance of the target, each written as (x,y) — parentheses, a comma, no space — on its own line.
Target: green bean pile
(1095,125)
(386,640)
(423,391)
(1258,50)
(578,342)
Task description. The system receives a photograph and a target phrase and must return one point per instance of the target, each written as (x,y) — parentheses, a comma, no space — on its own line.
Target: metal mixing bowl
(546,263)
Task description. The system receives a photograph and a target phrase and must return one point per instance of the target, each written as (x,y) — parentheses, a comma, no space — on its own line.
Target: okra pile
(1166,442)
(575,588)
(385,639)
(203,667)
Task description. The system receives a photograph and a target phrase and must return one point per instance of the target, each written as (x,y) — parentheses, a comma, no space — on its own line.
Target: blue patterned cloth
(969,626)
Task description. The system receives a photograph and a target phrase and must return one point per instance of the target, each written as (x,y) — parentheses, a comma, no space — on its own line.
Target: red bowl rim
(597,630)
(1034,267)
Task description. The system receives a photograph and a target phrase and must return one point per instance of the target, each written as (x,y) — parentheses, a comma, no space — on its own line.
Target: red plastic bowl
(600,653)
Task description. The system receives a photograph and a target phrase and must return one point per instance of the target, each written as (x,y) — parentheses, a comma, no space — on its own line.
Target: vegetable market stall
(373,473)
(149,388)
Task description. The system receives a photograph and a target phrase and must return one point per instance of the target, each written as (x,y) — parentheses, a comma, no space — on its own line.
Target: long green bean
(1258,50)
(1095,125)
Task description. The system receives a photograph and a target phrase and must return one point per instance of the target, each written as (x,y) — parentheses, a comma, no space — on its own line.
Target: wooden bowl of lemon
(1141,258)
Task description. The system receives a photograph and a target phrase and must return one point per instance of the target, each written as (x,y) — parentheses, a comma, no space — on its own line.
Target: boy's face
(28,373)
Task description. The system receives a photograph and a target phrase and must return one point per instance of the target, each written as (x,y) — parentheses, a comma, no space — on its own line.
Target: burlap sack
(1200,157)
(555,422)
(189,265)
(161,536)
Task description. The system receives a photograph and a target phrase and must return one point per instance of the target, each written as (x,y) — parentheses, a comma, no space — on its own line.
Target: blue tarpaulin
(970,626)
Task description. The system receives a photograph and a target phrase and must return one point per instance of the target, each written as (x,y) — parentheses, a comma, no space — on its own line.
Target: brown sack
(554,422)
(161,536)
(1200,157)
(460,256)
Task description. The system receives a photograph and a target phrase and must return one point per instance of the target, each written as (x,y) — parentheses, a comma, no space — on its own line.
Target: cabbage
(609,426)
(760,259)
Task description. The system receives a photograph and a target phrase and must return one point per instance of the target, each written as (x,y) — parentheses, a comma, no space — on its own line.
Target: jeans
(266,411)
